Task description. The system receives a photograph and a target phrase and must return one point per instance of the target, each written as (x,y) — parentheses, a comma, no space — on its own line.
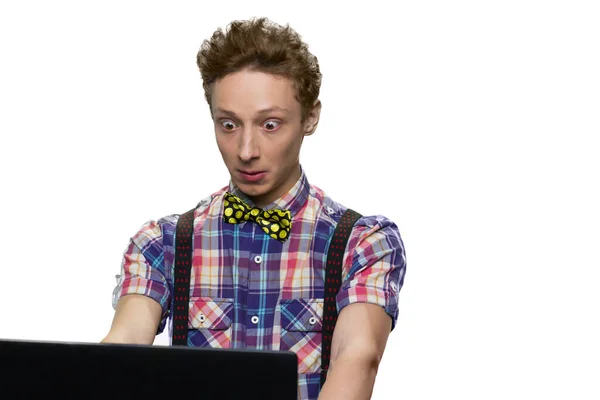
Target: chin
(252,189)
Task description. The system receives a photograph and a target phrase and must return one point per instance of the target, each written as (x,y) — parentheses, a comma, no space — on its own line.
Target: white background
(472,124)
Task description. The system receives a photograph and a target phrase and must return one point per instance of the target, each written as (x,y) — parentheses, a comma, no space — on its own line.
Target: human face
(259,132)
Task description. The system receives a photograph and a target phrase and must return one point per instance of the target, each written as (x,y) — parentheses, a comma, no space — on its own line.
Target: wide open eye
(228,125)
(271,125)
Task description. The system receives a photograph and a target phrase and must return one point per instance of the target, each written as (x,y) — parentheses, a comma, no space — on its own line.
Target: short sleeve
(374,266)
(142,270)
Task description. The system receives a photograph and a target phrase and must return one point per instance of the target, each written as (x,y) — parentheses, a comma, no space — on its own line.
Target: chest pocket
(301,326)
(210,321)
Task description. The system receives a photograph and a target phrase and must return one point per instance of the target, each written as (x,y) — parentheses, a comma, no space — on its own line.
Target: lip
(252,176)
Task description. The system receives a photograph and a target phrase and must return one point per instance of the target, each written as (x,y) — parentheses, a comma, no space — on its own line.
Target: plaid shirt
(249,291)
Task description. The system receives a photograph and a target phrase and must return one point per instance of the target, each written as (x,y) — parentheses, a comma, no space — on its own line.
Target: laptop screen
(111,371)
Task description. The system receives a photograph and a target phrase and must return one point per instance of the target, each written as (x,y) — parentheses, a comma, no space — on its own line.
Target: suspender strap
(183,266)
(333,282)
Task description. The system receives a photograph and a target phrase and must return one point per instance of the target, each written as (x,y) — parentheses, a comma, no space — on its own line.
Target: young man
(260,244)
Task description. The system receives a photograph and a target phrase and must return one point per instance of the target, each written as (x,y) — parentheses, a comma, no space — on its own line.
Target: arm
(358,343)
(141,298)
(136,320)
(374,267)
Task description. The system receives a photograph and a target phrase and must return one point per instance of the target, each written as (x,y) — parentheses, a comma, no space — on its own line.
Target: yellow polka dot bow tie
(275,223)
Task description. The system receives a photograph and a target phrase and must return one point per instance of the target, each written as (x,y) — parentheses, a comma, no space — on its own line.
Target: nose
(249,146)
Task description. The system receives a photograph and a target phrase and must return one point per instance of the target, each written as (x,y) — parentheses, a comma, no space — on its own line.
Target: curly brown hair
(261,45)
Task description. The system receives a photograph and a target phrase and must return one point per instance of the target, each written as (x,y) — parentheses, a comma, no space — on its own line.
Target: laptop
(36,369)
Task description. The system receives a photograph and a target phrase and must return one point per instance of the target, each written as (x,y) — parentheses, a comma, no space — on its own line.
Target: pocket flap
(302,315)
(210,313)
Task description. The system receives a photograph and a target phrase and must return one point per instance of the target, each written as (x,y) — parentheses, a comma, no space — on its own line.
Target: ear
(312,119)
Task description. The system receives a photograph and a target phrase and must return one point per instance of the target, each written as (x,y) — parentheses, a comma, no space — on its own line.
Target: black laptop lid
(30,369)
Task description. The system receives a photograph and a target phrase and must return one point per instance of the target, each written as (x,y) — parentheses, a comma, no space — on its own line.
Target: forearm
(136,320)
(350,379)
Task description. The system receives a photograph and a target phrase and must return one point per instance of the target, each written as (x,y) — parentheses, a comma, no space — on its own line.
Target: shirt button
(258,259)
(202,318)
(254,320)
(312,320)
(330,210)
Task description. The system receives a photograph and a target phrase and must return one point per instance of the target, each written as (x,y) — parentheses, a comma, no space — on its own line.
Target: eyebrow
(263,111)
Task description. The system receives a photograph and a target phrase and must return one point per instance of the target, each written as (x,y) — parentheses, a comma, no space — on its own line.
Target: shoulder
(365,226)
(155,229)
(378,227)
(373,239)
(376,238)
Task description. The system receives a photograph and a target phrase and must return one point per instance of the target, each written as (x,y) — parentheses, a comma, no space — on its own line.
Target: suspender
(333,279)
(183,266)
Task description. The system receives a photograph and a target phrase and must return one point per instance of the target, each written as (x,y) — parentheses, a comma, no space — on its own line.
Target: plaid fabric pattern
(250,291)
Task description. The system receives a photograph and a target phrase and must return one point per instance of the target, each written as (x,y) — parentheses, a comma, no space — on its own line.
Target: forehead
(246,92)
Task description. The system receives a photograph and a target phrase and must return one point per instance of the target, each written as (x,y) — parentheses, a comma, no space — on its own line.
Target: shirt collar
(293,200)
